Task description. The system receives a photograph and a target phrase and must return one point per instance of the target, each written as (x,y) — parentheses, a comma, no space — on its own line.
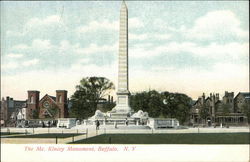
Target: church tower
(61,101)
(32,104)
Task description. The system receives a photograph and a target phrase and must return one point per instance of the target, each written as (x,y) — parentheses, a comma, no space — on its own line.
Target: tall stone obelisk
(122,105)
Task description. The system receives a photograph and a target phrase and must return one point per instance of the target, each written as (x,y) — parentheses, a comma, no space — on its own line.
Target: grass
(184,138)
(50,135)
(11,133)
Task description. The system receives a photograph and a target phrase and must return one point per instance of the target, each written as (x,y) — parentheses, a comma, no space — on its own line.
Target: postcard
(125,81)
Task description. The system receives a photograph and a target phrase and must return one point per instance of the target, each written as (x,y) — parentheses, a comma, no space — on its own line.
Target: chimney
(217,97)
(109,99)
(203,98)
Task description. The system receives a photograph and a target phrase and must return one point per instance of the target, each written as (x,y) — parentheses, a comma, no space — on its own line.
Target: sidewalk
(91,132)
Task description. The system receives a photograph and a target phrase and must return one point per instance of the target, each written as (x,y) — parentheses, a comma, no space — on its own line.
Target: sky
(188,47)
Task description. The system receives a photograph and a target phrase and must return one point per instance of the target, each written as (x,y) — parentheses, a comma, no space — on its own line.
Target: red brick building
(48,106)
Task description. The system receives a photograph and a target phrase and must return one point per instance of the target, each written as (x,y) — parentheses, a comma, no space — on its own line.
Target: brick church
(48,106)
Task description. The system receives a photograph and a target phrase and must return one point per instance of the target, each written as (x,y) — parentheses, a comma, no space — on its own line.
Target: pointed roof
(51,97)
(208,98)
(198,100)
(245,94)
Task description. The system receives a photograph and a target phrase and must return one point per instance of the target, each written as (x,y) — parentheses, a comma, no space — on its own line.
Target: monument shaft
(123,51)
(122,108)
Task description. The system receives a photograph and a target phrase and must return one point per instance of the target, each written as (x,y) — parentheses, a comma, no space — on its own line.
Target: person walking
(115,125)
(97,125)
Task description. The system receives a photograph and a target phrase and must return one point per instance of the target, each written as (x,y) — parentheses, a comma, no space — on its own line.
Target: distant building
(3,112)
(22,115)
(105,104)
(9,110)
(240,100)
(48,106)
(228,111)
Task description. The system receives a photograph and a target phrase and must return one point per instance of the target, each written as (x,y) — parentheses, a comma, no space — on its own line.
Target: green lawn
(11,133)
(184,138)
(50,135)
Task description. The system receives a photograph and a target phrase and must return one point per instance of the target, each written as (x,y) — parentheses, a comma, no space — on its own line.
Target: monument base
(122,109)
(119,115)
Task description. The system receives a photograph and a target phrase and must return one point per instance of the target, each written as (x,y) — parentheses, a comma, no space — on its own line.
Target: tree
(163,105)
(183,106)
(155,104)
(177,106)
(148,102)
(87,94)
(139,101)
(108,106)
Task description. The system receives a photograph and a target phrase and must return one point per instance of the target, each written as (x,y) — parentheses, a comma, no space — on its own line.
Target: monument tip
(124,4)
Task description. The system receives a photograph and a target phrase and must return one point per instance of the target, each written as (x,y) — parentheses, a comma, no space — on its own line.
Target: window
(60,98)
(32,99)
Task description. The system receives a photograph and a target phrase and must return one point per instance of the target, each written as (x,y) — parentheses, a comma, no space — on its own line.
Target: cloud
(135,23)
(161,68)
(9,66)
(11,33)
(21,47)
(93,26)
(41,44)
(49,20)
(79,63)
(98,25)
(162,25)
(137,36)
(30,62)
(14,64)
(93,48)
(149,36)
(168,48)
(162,36)
(40,27)
(217,24)
(232,50)
(14,55)
(64,51)
(36,47)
